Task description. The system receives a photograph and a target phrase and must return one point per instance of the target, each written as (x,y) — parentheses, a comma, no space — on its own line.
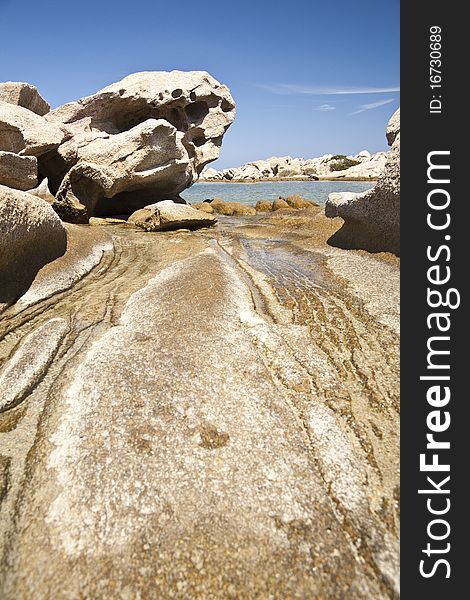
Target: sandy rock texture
(18,172)
(23,132)
(31,235)
(25,95)
(372,219)
(143,139)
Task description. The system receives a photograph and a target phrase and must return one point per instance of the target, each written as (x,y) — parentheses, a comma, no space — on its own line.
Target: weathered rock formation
(19,172)
(25,95)
(31,235)
(166,215)
(372,219)
(23,132)
(361,166)
(140,140)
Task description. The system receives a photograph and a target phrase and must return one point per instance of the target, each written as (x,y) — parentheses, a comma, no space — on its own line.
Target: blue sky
(308,77)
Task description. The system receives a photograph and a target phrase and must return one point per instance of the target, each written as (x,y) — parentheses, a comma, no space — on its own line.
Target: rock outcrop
(372,219)
(25,95)
(393,127)
(140,140)
(166,215)
(31,235)
(23,132)
(18,172)
(361,166)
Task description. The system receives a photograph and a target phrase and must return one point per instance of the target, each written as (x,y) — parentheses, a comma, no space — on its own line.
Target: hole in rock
(226,106)
(127,116)
(177,93)
(197,111)
(200,140)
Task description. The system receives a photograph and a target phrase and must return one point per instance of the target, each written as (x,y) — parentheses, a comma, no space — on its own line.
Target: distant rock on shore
(360,166)
(372,219)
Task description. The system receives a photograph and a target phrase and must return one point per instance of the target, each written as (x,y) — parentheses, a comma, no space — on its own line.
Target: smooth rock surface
(221,421)
(143,139)
(25,95)
(18,172)
(24,132)
(166,215)
(31,359)
(31,235)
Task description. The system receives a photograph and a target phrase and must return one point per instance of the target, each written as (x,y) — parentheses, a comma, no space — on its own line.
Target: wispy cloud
(371,106)
(289,89)
(325,107)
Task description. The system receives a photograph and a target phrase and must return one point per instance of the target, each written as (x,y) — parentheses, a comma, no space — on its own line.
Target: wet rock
(31,235)
(264,206)
(230,209)
(19,172)
(25,95)
(298,202)
(371,219)
(24,132)
(204,207)
(140,140)
(280,203)
(167,215)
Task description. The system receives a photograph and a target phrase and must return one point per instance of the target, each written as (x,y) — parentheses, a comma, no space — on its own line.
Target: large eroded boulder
(25,95)
(24,132)
(372,219)
(31,235)
(140,140)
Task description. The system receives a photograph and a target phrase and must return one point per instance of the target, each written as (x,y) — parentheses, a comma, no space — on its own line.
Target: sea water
(250,193)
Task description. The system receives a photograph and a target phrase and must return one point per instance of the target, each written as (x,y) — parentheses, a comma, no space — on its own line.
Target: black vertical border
(422,132)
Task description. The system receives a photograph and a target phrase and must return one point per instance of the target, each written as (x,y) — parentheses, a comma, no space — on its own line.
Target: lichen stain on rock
(212,438)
